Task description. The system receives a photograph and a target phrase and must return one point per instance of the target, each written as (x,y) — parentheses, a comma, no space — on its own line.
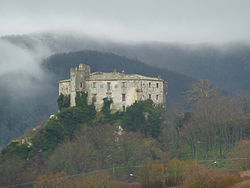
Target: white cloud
(161,20)
(20,70)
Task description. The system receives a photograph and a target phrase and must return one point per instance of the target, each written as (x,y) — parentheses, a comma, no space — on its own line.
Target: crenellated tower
(78,77)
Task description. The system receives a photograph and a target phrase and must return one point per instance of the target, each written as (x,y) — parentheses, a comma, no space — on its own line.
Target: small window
(101,86)
(157,85)
(94,98)
(123,108)
(149,96)
(149,84)
(123,97)
(94,84)
(108,86)
(157,97)
(123,84)
(81,84)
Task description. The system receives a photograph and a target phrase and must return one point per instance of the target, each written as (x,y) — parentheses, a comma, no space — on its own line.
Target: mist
(193,21)
(24,87)
(20,68)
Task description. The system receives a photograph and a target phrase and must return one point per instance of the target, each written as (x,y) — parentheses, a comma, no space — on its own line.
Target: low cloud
(20,69)
(191,21)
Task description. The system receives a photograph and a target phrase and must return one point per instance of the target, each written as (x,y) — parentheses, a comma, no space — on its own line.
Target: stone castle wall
(124,89)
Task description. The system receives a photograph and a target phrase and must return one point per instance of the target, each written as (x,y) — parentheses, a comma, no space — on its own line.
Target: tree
(63,101)
(106,111)
(81,99)
(197,176)
(215,126)
(63,125)
(201,90)
(151,175)
(175,172)
(143,116)
(82,103)
(102,147)
(92,148)
(135,149)
(239,157)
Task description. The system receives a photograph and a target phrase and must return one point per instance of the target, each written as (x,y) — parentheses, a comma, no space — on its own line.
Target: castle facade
(123,89)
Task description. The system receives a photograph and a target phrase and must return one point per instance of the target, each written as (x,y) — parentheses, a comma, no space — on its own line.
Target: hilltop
(42,92)
(83,147)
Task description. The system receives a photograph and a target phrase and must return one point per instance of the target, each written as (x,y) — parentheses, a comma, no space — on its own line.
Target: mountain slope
(61,63)
(226,65)
(23,110)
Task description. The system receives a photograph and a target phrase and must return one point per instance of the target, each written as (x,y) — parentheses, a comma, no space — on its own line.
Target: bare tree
(201,89)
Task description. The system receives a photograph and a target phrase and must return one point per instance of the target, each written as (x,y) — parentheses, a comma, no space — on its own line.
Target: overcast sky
(188,21)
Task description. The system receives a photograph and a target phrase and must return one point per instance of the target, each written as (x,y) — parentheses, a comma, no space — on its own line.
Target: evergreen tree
(63,101)
(144,116)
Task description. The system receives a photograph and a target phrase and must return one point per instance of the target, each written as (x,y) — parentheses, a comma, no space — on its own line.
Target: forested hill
(60,65)
(226,65)
(23,109)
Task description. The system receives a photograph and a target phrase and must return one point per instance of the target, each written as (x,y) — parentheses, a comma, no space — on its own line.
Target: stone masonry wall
(123,89)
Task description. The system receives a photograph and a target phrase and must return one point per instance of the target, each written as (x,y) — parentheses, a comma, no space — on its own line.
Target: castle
(123,89)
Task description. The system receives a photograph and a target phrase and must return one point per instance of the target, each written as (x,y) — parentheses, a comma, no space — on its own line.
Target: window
(94,98)
(94,84)
(81,84)
(123,108)
(123,97)
(157,97)
(101,86)
(157,85)
(123,84)
(149,84)
(149,96)
(108,86)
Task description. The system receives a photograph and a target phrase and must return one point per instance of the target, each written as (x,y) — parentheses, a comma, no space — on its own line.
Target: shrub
(243,184)
(224,180)
(198,176)
(151,175)
(98,180)
(54,180)
(11,171)
(63,124)
(242,152)
(18,148)
(176,170)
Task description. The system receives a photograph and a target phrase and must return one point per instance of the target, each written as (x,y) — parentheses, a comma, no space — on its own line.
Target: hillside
(42,91)
(226,65)
(60,64)
(207,145)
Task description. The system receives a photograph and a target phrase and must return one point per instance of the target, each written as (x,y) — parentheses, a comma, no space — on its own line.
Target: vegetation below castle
(133,146)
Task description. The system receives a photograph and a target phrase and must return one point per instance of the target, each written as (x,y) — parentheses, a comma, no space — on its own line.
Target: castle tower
(78,77)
